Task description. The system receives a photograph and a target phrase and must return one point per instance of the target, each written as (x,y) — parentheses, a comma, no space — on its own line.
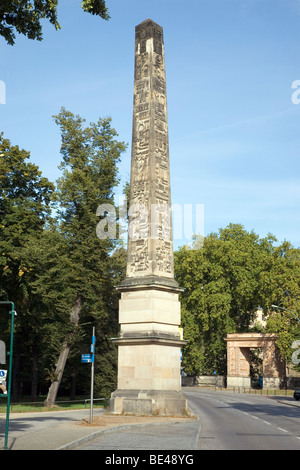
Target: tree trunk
(60,366)
(73,385)
(34,380)
(16,377)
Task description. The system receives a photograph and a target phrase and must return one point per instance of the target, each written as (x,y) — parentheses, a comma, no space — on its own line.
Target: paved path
(63,430)
(179,436)
(44,430)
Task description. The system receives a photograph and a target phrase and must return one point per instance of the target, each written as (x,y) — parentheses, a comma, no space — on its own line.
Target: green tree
(205,308)
(24,16)
(61,276)
(225,281)
(89,175)
(25,208)
(280,285)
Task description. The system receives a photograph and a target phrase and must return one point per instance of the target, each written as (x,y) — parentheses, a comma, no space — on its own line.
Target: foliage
(25,197)
(90,268)
(280,285)
(48,259)
(226,280)
(25,205)
(24,16)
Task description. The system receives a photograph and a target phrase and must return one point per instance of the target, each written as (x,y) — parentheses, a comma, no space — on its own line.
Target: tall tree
(225,281)
(24,16)
(89,175)
(24,211)
(280,285)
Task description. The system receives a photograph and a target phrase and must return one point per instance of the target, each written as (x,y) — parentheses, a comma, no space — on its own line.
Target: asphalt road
(227,421)
(236,421)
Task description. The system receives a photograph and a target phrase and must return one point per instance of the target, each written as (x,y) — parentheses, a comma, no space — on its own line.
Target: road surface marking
(284,430)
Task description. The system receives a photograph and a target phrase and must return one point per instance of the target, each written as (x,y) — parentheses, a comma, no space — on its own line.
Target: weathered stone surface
(238,361)
(149,402)
(149,342)
(150,245)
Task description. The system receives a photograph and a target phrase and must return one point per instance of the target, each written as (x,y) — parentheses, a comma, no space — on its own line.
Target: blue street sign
(87,358)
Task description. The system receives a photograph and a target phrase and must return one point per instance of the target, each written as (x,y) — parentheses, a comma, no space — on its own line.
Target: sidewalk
(63,430)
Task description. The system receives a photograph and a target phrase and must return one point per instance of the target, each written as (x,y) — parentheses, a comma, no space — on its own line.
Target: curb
(90,437)
(289,403)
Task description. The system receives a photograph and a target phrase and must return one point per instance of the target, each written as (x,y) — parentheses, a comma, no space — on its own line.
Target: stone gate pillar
(238,359)
(273,365)
(238,365)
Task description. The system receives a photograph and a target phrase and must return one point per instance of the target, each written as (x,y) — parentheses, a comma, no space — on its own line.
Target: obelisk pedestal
(149,343)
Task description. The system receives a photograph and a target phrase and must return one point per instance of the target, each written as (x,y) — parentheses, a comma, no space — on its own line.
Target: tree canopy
(225,281)
(24,16)
(25,197)
(55,268)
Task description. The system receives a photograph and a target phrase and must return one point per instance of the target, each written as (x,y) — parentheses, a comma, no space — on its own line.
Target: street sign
(87,358)
(3,375)
(2,353)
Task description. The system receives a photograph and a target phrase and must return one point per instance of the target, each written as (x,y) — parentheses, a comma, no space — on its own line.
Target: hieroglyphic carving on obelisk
(150,247)
(149,340)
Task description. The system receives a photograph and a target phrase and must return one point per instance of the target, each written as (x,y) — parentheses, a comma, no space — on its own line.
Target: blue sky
(234,130)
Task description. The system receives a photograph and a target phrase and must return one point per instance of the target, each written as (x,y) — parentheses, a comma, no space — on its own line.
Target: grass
(60,405)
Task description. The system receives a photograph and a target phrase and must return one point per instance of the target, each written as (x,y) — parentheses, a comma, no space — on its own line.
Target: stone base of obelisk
(149,402)
(149,344)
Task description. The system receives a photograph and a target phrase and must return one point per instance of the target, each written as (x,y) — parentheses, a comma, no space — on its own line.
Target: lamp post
(282,308)
(13,313)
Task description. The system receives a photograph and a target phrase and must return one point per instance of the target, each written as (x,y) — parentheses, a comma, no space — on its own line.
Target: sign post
(91,358)
(7,395)
(92,375)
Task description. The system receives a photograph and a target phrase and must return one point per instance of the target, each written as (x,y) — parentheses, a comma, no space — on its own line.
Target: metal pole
(92,374)
(281,308)
(13,313)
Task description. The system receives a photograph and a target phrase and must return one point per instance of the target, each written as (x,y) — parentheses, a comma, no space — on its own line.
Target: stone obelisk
(149,342)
